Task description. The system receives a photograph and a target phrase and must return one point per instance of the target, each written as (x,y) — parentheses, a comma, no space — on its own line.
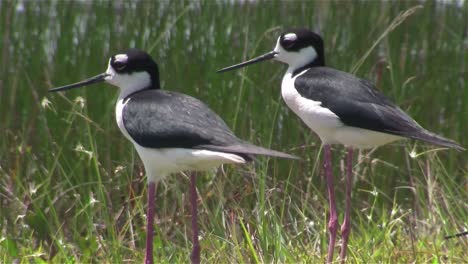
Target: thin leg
(333,221)
(346,227)
(195,255)
(149,226)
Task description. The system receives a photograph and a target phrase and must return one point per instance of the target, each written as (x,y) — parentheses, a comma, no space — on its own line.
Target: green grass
(72,189)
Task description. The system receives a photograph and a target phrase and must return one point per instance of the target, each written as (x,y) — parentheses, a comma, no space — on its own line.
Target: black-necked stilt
(172,132)
(341,109)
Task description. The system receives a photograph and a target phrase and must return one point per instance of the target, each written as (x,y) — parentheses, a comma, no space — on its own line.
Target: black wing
(359,104)
(164,119)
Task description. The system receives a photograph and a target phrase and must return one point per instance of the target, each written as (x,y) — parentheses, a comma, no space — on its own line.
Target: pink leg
(333,221)
(195,255)
(149,226)
(346,227)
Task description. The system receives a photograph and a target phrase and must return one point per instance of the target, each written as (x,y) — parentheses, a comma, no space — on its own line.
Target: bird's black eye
(287,43)
(119,65)
(288,40)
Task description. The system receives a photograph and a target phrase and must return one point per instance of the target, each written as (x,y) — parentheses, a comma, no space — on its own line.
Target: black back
(164,119)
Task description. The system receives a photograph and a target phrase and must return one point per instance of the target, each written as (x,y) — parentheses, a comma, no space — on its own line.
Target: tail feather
(435,139)
(249,150)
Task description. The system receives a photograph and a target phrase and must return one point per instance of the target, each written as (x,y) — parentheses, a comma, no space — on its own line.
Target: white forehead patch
(121,57)
(290,36)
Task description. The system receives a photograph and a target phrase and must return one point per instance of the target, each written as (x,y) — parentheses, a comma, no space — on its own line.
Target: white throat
(295,59)
(128,83)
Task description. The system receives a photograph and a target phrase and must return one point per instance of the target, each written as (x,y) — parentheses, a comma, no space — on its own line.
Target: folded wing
(359,104)
(181,121)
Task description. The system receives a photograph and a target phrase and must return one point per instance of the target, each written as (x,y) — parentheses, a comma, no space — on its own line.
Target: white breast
(119,117)
(325,123)
(320,119)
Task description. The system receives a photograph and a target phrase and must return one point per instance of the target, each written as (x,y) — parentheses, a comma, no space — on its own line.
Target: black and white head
(131,70)
(296,47)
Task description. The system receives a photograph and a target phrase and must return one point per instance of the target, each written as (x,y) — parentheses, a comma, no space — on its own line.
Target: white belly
(161,162)
(325,123)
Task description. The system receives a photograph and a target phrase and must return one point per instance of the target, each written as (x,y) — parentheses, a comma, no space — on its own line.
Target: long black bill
(268,56)
(98,78)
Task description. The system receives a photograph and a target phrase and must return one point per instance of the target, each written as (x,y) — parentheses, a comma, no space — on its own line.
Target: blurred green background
(72,189)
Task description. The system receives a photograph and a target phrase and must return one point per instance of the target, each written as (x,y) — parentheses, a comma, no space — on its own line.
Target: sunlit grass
(72,189)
